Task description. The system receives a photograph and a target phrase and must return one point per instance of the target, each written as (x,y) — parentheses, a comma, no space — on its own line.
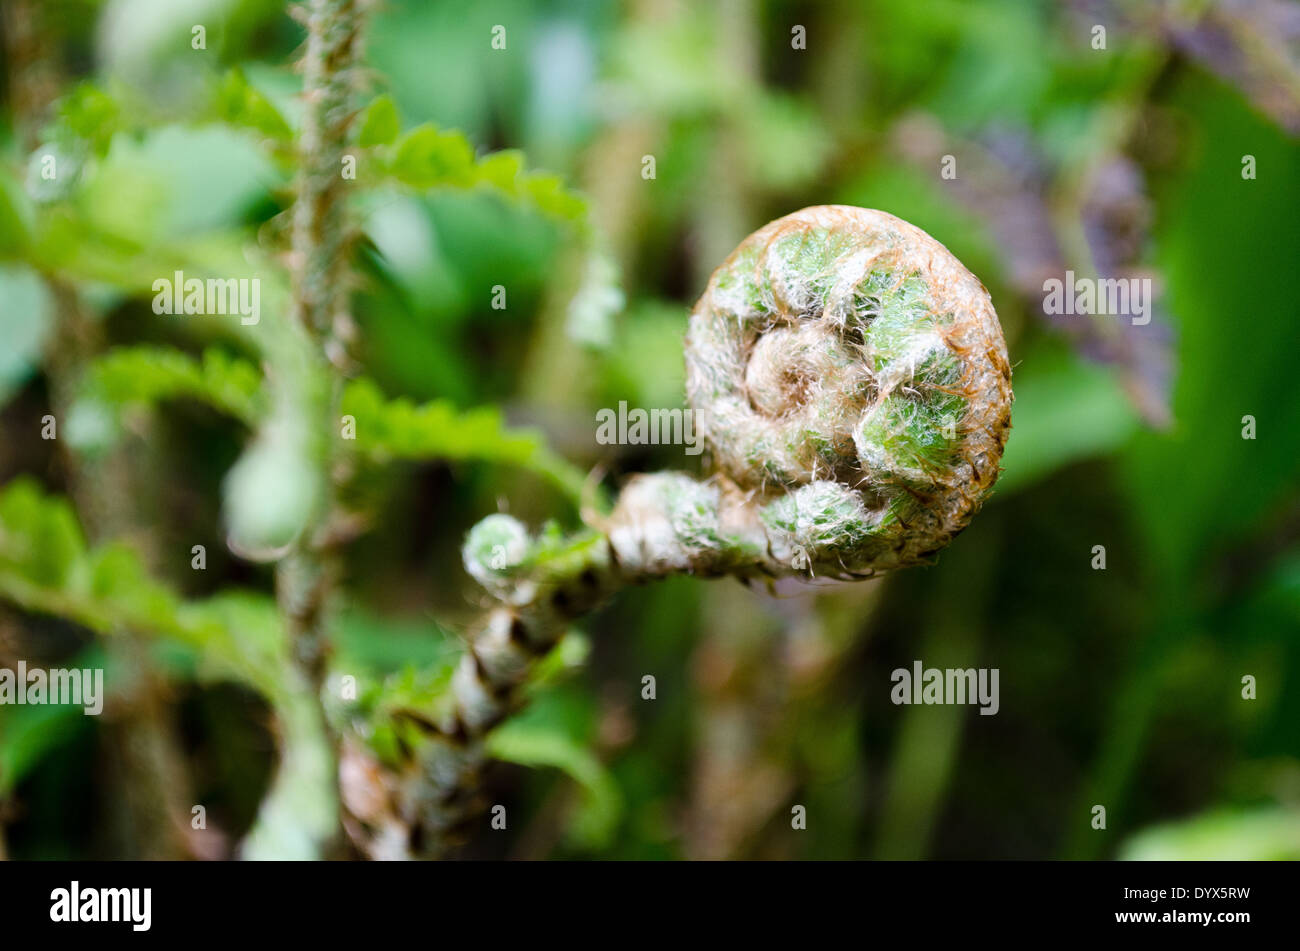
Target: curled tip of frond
(494,551)
(843,347)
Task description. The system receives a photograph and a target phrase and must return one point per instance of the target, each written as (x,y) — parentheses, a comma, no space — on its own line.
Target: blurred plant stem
(154,784)
(721,215)
(929,738)
(761,676)
(558,374)
(1124,735)
(738,780)
(33,72)
(306,577)
(840,74)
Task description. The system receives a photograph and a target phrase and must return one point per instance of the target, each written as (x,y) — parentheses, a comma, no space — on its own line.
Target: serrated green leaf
(41,535)
(399,429)
(550,196)
(426,157)
(147,375)
(502,170)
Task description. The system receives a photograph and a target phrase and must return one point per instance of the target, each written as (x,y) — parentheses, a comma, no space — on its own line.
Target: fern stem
(320,293)
(307,575)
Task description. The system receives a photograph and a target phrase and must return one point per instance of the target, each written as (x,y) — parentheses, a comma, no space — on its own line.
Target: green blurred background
(1120,687)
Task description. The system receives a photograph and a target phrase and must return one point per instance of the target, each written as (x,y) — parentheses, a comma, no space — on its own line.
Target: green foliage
(89,115)
(400,429)
(15,216)
(29,732)
(46,567)
(27,300)
(132,376)
(239,104)
(391,707)
(536,739)
(1066,410)
(384,644)
(1199,492)
(380,123)
(427,157)
(1269,834)
(1231,361)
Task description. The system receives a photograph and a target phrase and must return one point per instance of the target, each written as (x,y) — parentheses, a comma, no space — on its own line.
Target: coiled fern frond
(851,381)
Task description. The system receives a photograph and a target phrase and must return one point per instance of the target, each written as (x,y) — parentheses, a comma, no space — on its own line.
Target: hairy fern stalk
(852,385)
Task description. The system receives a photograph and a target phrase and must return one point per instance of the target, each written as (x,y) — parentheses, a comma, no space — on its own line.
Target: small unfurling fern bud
(494,551)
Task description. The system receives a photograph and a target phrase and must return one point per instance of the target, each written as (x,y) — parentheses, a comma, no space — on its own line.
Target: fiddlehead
(850,376)
(851,381)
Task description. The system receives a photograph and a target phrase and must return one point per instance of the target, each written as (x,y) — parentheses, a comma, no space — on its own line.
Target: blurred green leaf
(40,535)
(529,741)
(195,179)
(1271,834)
(400,429)
(25,323)
(786,143)
(28,733)
(548,194)
(427,157)
(46,567)
(645,364)
(380,124)
(1065,410)
(502,170)
(240,104)
(1202,487)
(91,115)
(387,644)
(16,216)
(145,375)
